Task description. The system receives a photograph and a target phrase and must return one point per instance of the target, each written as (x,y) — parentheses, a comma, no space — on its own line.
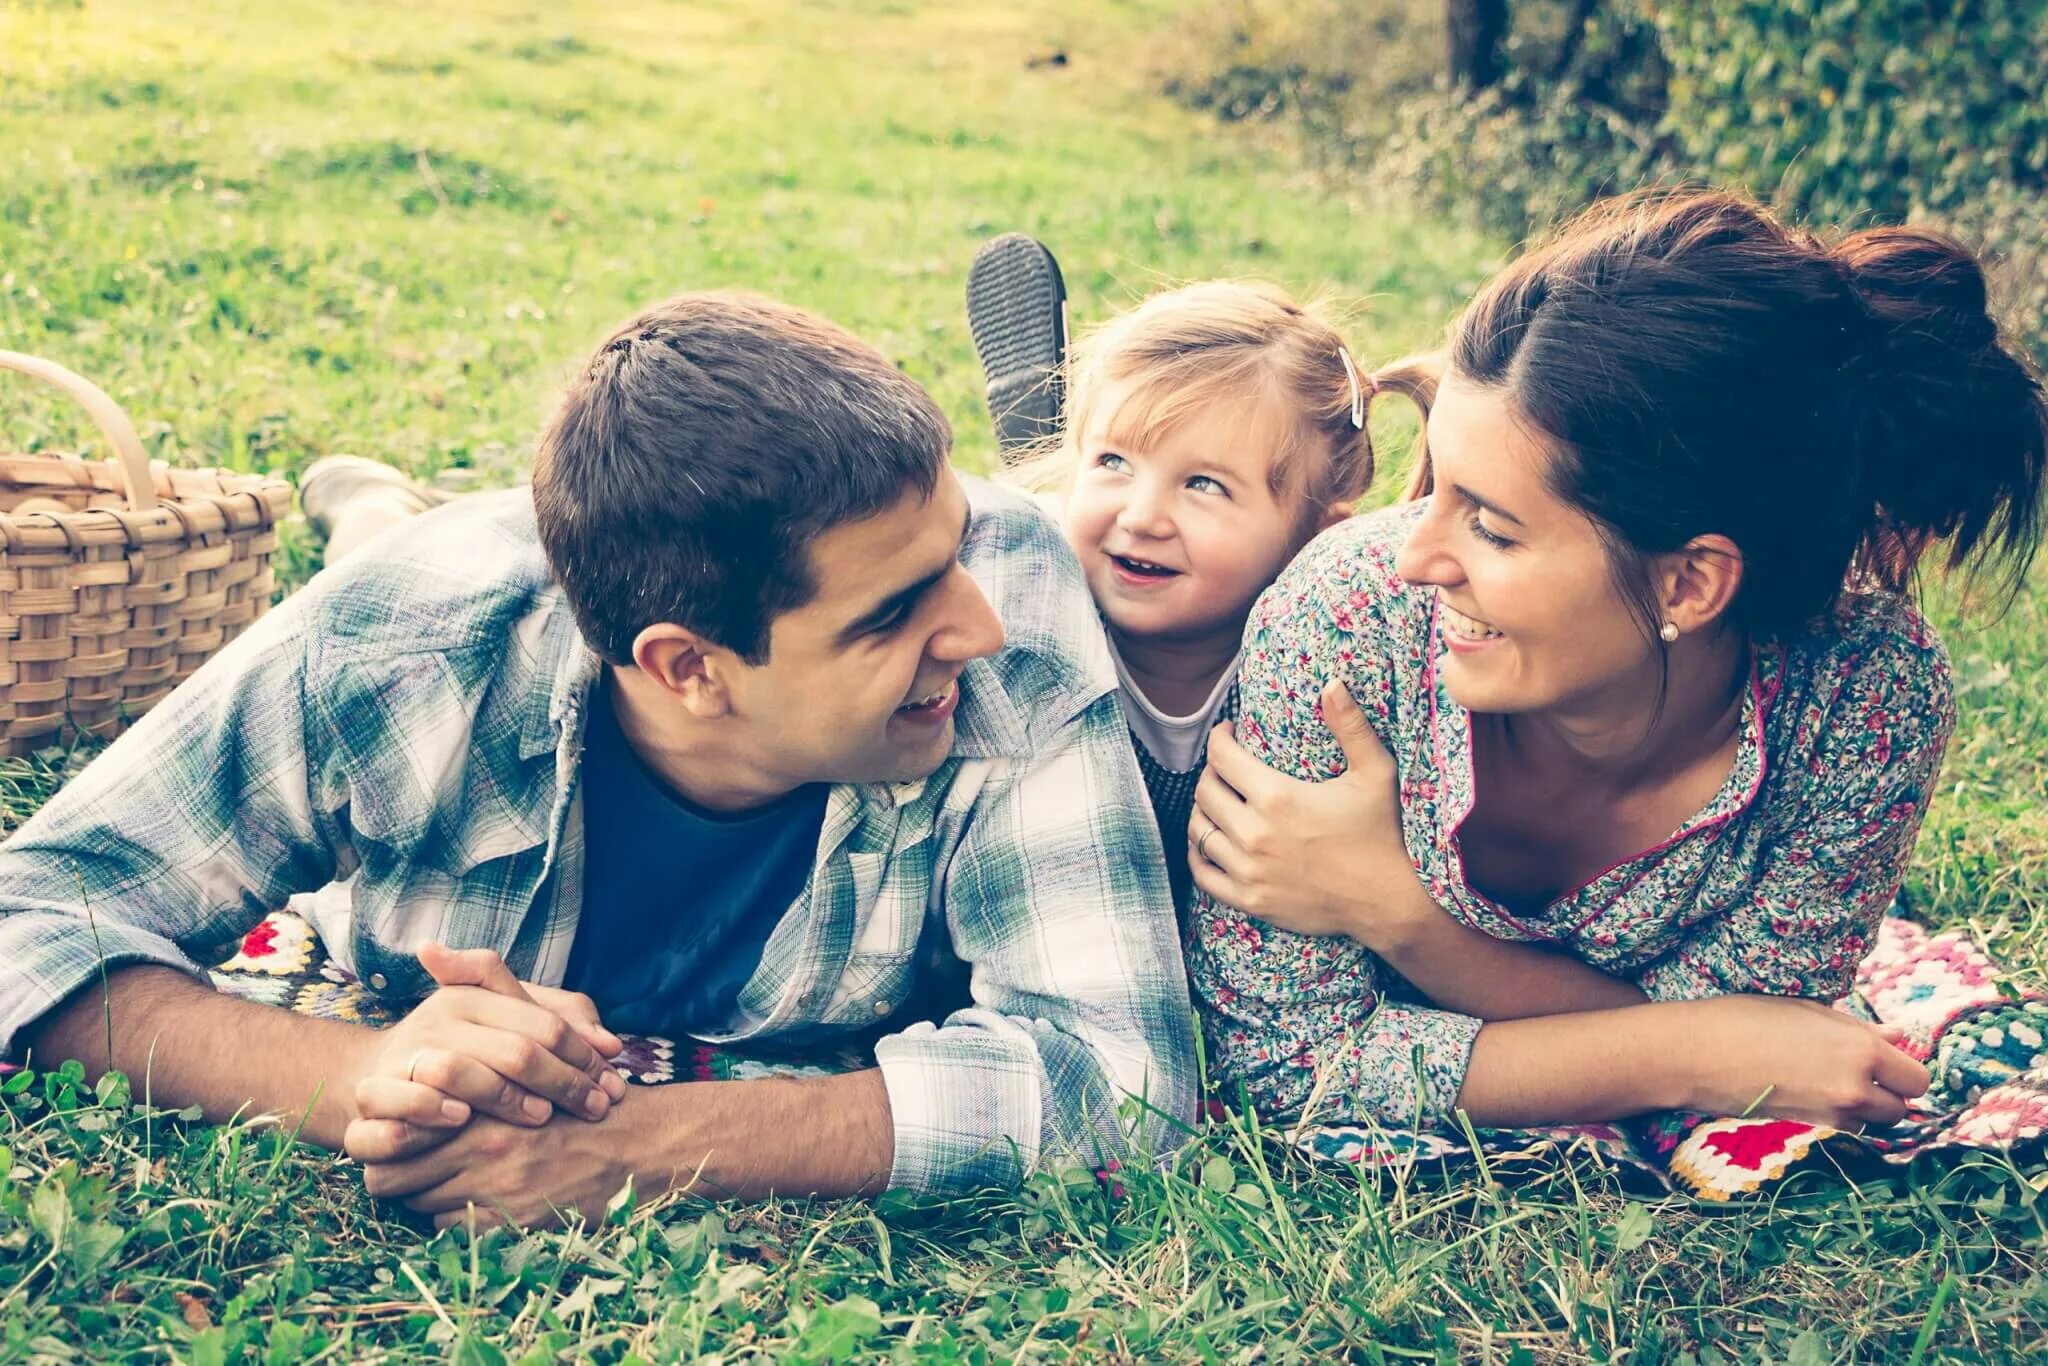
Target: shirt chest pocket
(499,832)
(893,907)
(471,822)
(882,963)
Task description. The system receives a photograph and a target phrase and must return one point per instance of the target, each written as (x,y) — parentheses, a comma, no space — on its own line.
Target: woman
(1662,718)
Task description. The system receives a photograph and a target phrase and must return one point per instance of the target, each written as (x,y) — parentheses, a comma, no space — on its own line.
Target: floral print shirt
(1776,886)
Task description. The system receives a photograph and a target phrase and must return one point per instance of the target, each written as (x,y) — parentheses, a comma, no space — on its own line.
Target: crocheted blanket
(1981,1035)
(282,963)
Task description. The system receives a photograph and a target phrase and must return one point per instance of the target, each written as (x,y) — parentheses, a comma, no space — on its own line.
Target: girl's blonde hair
(1233,341)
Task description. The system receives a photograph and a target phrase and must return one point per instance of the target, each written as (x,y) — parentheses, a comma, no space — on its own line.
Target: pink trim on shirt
(1761,699)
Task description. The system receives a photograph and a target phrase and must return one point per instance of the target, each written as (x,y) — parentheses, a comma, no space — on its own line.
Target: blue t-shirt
(678,902)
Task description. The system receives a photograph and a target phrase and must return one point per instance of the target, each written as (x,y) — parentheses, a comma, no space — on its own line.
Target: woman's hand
(1794,1059)
(1315,858)
(1773,1056)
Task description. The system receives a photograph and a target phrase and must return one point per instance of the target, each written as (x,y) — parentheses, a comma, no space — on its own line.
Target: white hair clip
(1358,388)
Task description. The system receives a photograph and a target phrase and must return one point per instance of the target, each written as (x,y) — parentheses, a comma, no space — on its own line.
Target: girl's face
(1179,533)
(1526,605)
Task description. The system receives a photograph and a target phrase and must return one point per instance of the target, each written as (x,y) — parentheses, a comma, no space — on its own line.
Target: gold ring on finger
(1202,844)
(414,1065)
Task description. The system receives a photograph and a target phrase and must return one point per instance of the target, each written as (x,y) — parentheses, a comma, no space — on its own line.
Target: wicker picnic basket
(117,579)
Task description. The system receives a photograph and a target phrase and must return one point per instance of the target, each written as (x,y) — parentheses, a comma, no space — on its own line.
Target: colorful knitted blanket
(1980,1034)
(282,963)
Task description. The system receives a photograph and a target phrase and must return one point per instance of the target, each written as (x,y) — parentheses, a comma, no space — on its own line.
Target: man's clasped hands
(443,1095)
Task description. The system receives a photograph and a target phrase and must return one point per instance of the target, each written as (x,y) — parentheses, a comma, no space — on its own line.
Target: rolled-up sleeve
(1079,1044)
(174,841)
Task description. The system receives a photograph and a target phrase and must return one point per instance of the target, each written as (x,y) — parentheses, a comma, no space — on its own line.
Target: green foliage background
(1840,112)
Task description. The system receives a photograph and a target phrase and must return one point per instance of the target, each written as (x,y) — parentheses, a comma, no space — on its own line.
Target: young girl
(1212,432)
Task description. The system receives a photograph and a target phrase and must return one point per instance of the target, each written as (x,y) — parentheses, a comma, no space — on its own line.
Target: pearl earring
(1670,632)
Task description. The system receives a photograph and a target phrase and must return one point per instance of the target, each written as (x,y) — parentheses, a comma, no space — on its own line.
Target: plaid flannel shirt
(404,734)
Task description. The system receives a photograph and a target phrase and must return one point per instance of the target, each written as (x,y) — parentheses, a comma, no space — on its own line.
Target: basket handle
(112,421)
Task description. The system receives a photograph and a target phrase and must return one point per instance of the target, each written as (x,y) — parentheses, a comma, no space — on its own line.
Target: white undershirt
(1174,741)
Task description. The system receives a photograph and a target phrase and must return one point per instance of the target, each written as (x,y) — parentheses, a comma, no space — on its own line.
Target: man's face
(861,682)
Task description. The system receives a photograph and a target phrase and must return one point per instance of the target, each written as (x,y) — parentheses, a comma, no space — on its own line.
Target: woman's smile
(1465,633)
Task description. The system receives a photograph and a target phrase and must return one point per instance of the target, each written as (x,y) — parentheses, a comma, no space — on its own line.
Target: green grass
(282,230)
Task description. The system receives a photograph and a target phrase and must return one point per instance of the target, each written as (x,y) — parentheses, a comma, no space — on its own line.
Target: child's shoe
(1017,313)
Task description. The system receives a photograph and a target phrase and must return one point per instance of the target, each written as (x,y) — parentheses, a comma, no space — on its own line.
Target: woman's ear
(1700,582)
(687,667)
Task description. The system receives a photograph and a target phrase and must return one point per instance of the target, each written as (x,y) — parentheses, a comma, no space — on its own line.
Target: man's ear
(1701,579)
(688,667)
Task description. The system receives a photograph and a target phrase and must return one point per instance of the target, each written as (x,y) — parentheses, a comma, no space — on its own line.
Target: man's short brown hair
(702,449)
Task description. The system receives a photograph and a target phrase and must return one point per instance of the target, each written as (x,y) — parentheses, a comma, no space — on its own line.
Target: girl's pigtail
(1415,379)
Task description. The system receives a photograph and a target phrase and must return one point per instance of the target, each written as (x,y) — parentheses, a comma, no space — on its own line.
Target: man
(719,729)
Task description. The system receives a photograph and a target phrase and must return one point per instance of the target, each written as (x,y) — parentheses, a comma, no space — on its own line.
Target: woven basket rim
(225,500)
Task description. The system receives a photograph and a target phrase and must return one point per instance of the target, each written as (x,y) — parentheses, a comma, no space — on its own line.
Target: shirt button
(881,1007)
(378,981)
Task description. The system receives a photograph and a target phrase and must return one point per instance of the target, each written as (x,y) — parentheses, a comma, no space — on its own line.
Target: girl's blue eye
(1110,460)
(1202,483)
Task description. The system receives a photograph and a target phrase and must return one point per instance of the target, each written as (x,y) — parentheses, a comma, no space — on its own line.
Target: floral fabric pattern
(1776,886)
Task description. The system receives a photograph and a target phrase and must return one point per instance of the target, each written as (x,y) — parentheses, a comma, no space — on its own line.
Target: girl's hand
(1794,1059)
(1315,858)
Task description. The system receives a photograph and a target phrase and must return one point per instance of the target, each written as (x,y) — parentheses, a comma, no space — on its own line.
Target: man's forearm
(827,1136)
(181,1043)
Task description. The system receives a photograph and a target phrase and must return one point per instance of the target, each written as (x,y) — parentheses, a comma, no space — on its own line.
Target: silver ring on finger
(1202,844)
(414,1065)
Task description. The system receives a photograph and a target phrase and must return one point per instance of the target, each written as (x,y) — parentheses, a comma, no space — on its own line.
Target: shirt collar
(564,670)
(989,723)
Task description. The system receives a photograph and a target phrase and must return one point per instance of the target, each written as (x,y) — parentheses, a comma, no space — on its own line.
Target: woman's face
(1526,603)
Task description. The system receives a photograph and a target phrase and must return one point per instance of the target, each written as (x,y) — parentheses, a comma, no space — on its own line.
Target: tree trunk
(1474,32)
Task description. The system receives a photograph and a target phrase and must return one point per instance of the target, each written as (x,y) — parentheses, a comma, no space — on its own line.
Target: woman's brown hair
(1833,410)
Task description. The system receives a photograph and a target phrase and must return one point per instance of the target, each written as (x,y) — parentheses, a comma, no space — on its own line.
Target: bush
(1838,112)
(1851,108)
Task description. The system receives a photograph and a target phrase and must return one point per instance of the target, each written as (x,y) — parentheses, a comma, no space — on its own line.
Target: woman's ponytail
(1948,426)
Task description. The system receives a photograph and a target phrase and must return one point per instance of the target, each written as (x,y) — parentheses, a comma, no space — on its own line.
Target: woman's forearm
(1586,1068)
(1725,1055)
(1471,972)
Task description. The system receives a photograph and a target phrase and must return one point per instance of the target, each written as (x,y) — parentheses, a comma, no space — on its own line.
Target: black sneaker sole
(1017,314)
